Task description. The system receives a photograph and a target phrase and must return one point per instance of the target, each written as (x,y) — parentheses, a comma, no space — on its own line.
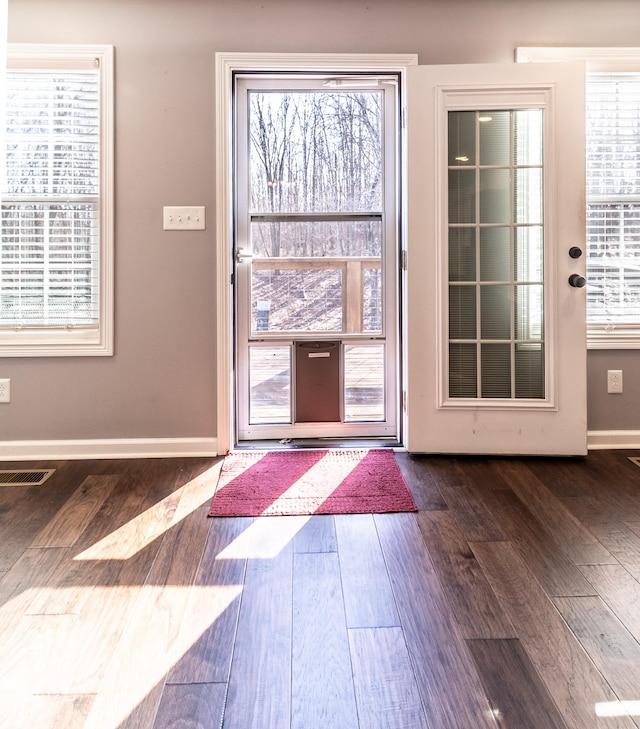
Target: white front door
(495,327)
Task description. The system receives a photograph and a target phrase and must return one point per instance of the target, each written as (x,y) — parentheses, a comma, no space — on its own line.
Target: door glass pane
(495,312)
(528,317)
(527,131)
(529,370)
(496,370)
(315,151)
(316,238)
(495,254)
(528,195)
(296,299)
(462,196)
(529,253)
(462,138)
(462,312)
(495,140)
(462,254)
(496,318)
(495,196)
(269,385)
(317,276)
(463,370)
(364,383)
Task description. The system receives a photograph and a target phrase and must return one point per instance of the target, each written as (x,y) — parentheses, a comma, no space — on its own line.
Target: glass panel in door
(496,254)
(316,276)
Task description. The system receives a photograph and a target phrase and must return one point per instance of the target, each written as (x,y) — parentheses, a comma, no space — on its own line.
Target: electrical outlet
(614,381)
(5,390)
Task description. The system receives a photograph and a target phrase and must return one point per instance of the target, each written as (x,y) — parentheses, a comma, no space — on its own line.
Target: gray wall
(161,381)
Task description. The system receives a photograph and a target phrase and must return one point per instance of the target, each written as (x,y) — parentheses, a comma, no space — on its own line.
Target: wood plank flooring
(510,600)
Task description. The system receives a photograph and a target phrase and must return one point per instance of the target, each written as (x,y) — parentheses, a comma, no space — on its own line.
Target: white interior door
(496,326)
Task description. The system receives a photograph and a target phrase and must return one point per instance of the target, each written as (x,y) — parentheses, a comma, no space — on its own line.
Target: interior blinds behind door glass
(50,203)
(613,197)
(496,254)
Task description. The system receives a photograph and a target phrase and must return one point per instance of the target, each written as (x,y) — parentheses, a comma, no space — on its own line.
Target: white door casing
(436,422)
(227,64)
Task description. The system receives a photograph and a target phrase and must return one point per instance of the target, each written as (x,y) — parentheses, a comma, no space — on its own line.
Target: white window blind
(51,201)
(56,244)
(613,198)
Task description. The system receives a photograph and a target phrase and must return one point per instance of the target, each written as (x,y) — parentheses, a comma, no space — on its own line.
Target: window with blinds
(55,248)
(613,199)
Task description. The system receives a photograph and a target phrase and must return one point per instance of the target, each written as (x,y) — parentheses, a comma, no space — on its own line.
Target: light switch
(183,217)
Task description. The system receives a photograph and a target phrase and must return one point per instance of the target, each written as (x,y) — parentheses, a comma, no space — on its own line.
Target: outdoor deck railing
(352,268)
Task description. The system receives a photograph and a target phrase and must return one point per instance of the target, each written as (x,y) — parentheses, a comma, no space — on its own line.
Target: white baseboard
(622,439)
(63,450)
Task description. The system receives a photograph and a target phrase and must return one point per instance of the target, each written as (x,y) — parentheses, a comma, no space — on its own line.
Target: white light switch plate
(183,217)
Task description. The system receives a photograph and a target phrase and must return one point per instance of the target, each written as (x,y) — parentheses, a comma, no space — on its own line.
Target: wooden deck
(510,600)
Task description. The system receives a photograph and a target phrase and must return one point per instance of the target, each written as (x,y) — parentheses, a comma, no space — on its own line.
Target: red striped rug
(300,482)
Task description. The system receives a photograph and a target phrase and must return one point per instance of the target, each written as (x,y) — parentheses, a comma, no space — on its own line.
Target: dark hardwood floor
(511,599)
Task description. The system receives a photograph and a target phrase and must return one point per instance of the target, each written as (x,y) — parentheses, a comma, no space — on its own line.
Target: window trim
(597,59)
(76,341)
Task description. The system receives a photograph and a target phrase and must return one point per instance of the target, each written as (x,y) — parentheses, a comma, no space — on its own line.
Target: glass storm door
(316,257)
(496,316)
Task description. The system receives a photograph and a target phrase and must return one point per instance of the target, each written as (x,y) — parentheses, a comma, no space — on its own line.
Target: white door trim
(226,65)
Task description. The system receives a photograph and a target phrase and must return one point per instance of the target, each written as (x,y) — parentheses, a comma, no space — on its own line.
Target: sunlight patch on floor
(264,538)
(618,708)
(135,535)
(160,642)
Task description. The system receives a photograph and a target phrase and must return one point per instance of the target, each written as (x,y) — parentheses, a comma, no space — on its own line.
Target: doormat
(301,482)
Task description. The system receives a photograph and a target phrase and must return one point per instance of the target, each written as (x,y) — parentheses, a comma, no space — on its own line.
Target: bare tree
(315,152)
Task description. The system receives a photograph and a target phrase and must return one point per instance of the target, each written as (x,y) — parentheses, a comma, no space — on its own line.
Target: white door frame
(226,65)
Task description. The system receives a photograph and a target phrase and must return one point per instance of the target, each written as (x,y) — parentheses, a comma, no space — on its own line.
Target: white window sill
(613,336)
(55,343)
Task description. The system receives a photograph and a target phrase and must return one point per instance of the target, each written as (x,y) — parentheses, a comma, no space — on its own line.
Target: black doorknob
(577,281)
(575,252)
